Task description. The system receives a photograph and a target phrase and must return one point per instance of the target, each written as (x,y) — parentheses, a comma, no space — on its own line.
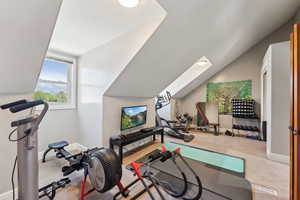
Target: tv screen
(133,116)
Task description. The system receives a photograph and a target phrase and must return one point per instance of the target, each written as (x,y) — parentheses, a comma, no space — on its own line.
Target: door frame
(295,115)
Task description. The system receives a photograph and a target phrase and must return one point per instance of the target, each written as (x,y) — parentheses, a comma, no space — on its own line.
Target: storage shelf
(246,117)
(246,130)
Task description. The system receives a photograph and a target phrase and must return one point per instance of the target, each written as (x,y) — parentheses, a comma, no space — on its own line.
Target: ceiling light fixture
(129,3)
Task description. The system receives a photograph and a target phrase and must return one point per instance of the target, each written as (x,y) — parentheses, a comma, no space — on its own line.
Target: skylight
(189,75)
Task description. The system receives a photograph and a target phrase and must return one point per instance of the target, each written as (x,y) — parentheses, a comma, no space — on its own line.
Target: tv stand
(123,140)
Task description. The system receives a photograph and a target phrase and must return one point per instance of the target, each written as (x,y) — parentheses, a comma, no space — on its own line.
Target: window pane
(54,71)
(53,82)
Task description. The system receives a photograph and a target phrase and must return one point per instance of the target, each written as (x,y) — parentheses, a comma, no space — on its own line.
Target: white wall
(97,70)
(112,114)
(26,29)
(59,125)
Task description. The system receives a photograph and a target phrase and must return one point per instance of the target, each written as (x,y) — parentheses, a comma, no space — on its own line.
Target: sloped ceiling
(83,25)
(220,30)
(26,29)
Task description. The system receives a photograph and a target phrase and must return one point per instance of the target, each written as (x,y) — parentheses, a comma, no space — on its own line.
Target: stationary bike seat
(58,145)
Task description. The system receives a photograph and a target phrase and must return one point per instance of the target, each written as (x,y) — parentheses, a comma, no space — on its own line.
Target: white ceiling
(83,25)
(220,30)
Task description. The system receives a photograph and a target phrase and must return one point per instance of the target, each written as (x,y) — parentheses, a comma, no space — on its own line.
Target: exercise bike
(162,101)
(27,153)
(101,165)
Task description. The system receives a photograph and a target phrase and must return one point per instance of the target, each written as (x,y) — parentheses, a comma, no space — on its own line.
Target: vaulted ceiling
(73,26)
(220,30)
(83,25)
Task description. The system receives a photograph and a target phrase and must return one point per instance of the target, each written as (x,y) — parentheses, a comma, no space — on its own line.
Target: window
(56,83)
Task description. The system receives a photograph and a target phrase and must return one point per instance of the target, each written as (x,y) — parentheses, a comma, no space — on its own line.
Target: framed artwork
(222,93)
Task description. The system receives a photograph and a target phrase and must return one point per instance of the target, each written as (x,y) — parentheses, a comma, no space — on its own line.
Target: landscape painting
(222,93)
(133,116)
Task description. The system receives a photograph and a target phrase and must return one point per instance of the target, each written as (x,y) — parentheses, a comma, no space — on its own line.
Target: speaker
(264,130)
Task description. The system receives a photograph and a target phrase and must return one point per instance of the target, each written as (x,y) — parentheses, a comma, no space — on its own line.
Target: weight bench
(206,122)
(59,148)
(75,160)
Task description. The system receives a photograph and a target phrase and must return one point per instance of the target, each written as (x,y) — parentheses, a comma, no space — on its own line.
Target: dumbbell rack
(243,127)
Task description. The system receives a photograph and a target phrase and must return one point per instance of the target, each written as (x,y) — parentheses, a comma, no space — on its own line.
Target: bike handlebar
(25,106)
(16,103)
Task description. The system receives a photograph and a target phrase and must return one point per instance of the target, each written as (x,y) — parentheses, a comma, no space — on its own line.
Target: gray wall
(246,67)
(276,94)
(297,18)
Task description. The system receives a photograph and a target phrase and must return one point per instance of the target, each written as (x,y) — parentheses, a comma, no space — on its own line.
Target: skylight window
(189,75)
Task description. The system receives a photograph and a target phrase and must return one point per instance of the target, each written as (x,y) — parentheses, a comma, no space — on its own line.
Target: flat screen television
(133,116)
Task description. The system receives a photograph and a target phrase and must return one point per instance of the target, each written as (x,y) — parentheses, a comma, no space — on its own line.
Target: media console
(122,140)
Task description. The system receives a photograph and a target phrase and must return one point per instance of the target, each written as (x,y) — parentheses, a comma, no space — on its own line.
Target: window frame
(71,84)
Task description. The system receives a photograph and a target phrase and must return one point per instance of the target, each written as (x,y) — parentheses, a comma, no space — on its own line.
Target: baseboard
(74,146)
(7,195)
(278,157)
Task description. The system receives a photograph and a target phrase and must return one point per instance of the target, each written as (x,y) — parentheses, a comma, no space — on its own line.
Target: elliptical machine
(162,101)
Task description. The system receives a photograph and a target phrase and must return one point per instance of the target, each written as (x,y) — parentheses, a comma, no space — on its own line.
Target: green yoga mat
(222,161)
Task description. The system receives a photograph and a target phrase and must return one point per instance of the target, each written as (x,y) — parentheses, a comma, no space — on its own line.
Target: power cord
(12,178)
(15,140)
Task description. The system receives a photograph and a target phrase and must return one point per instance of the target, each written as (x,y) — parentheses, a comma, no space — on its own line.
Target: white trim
(278,157)
(266,95)
(72,79)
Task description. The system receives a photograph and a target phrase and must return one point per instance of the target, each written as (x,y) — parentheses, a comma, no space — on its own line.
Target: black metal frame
(123,140)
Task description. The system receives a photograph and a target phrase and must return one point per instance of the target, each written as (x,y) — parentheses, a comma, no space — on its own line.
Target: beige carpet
(269,179)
